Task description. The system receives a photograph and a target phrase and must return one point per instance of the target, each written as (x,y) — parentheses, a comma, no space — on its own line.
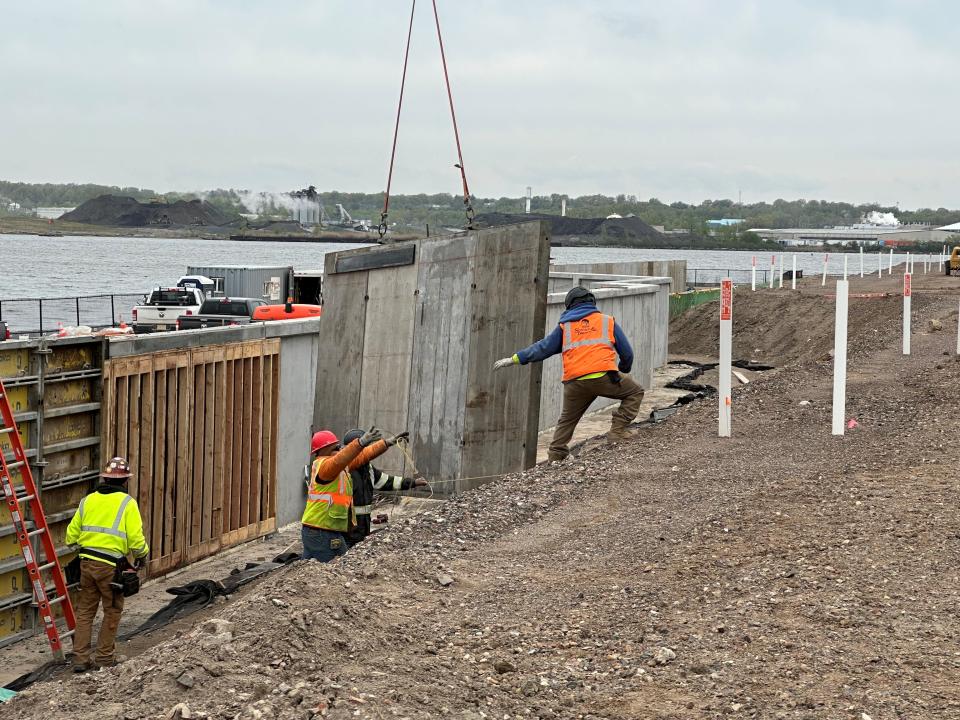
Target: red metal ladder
(44,602)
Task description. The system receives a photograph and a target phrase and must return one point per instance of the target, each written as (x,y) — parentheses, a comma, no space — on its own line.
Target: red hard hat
(322,439)
(117,468)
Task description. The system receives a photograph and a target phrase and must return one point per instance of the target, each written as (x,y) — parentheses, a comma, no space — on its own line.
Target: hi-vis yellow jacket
(108,525)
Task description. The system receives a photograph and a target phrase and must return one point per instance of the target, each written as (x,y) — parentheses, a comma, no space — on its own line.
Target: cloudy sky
(684,100)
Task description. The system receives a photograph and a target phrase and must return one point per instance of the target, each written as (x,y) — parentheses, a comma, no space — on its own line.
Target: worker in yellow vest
(596,359)
(107,527)
(329,512)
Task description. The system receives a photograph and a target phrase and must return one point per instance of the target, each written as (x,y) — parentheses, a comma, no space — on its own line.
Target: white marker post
(926,263)
(958,333)
(845,258)
(861,261)
(908,269)
(753,273)
(907,292)
(823,281)
(793,280)
(890,268)
(773,269)
(781,271)
(840,358)
(726,347)
(879,265)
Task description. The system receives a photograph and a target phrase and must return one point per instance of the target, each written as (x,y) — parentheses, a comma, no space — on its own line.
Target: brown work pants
(578,395)
(95,578)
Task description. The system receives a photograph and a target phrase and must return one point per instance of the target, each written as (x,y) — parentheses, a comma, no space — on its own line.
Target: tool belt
(125,581)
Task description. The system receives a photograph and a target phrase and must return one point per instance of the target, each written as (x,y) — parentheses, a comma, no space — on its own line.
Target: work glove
(370,437)
(394,439)
(420,482)
(501,364)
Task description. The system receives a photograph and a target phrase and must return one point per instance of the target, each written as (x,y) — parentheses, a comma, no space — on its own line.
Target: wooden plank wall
(199,427)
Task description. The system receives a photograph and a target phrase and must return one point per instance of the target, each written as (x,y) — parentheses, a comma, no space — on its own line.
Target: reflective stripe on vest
(363,509)
(115,528)
(588,346)
(323,497)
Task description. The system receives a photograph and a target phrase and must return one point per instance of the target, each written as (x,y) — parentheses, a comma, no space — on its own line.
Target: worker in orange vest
(597,358)
(330,512)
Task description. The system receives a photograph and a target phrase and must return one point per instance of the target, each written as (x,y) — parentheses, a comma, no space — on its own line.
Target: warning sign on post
(906,285)
(726,299)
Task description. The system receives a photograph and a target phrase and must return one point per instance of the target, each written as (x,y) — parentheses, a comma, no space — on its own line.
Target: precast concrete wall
(676,270)
(641,307)
(409,336)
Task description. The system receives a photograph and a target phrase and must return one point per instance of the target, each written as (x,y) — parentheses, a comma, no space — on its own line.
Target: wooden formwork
(199,428)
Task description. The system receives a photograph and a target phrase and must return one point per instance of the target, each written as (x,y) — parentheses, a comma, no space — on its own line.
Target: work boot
(82,667)
(620,435)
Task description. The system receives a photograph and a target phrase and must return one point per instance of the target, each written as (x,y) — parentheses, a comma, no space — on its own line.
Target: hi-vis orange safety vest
(329,505)
(588,346)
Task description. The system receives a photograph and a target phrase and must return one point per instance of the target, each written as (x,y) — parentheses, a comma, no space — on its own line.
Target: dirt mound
(119,211)
(785,327)
(626,230)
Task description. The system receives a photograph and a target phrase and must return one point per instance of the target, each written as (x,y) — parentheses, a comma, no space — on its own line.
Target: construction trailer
(271,283)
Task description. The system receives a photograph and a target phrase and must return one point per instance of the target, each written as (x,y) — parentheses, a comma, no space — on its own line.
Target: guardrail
(711,277)
(27,316)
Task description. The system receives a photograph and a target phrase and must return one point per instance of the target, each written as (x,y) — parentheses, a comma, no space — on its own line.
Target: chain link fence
(33,316)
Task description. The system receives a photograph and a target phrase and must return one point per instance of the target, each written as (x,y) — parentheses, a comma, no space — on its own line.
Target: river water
(69,266)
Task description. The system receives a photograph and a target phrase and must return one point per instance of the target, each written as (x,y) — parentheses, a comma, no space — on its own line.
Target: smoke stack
(529,197)
(563,207)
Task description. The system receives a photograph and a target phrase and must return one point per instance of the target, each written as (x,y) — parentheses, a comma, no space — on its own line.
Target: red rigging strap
(468,207)
(453,116)
(382,229)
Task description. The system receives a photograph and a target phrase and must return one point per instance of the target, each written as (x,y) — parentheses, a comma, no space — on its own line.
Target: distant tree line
(445,210)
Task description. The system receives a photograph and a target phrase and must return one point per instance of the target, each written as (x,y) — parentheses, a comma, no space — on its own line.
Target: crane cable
(468,206)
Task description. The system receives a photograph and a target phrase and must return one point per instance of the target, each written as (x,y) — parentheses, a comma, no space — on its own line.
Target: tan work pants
(578,395)
(95,578)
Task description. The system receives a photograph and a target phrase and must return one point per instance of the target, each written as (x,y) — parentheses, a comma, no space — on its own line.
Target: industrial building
(863,234)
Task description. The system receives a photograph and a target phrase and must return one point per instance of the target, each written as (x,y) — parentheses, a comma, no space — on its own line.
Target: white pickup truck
(164,306)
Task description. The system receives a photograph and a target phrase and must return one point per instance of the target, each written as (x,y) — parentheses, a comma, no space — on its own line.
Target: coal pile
(118,211)
(628,231)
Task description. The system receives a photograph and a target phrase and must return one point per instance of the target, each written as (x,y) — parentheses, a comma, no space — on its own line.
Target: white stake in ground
(890,268)
(879,265)
(753,273)
(907,292)
(840,358)
(958,333)
(861,261)
(781,271)
(908,268)
(726,347)
(823,280)
(845,258)
(793,279)
(773,269)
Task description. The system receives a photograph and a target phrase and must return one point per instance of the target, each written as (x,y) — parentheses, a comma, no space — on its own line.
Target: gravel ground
(782,573)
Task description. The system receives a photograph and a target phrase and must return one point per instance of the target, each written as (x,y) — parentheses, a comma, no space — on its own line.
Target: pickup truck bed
(218,312)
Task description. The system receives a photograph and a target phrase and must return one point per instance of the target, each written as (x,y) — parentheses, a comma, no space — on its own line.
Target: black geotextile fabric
(198,594)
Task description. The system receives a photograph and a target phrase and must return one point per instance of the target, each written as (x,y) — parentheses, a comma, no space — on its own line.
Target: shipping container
(266,282)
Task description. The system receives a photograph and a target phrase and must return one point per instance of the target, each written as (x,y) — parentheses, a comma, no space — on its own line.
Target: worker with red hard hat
(329,512)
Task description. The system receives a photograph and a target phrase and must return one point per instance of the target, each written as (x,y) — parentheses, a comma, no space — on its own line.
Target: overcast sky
(684,100)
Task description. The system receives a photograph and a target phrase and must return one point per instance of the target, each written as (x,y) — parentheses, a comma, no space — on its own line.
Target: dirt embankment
(781,573)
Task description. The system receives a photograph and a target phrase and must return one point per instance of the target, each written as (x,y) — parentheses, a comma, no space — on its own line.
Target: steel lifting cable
(468,207)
